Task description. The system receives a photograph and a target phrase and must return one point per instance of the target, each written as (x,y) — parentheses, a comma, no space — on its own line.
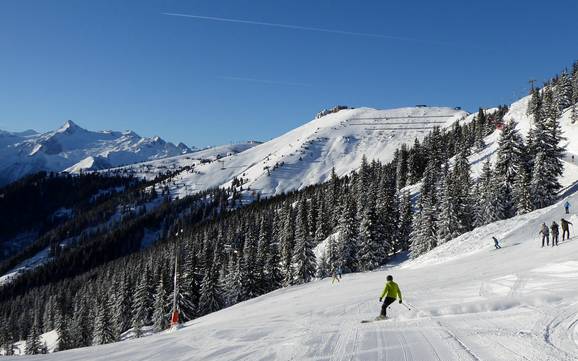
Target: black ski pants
(388,301)
(554,239)
(545,239)
(564,233)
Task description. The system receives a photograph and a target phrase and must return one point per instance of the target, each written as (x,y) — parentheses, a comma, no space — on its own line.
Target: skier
(496,243)
(554,229)
(567,207)
(391,292)
(336,275)
(545,232)
(565,230)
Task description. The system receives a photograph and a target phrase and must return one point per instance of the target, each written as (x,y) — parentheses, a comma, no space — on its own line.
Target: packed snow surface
(306,155)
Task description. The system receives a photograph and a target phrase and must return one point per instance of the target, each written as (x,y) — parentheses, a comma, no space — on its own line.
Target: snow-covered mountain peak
(69,127)
(306,155)
(75,148)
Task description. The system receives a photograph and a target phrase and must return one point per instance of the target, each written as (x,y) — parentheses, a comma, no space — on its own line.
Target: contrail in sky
(263,81)
(294,27)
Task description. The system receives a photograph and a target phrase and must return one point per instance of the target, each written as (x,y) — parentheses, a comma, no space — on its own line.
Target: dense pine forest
(102,283)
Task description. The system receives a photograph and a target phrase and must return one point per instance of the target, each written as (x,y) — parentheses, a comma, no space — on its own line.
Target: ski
(375,320)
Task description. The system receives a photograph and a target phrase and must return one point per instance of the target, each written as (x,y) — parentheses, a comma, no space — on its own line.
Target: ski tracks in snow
(560,330)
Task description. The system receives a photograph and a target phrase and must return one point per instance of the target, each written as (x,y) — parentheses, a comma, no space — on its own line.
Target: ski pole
(406,306)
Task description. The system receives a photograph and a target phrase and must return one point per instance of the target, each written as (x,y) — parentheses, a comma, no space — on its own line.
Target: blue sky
(112,64)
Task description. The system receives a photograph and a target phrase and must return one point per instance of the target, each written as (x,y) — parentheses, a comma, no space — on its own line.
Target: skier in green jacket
(391,292)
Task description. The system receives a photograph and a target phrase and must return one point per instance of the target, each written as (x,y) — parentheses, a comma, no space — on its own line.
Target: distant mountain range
(73,148)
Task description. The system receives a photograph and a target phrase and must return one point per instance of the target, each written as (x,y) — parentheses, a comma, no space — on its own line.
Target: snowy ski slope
(305,155)
(469,302)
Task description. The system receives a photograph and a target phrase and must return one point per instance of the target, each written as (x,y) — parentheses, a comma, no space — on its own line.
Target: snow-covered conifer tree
(510,159)
(405,220)
(539,186)
(304,262)
(160,307)
(33,344)
(287,245)
(347,243)
(370,252)
(211,293)
(522,195)
(142,304)
(103,327)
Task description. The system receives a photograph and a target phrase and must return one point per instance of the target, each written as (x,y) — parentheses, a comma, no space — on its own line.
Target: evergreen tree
(189,285)
(539,187)
(142,304)
(33,343)
(489,205)
(362,183)
(250,278)
(402,167)
(332,255)
(574,101)
(263,254)
(287,245)
(7,341)
(233,284)
(387,211)
(121,308)
(211,299)
(65,340)
(481,130)
(534,104)
(49,313)
(271,268)
(448,223)
(547,136)
(160,309)
(333,198)
(103,327)
(424,235)
(415,163)
(510,160)
(321,226)
(563,91)
(303,257)
(347,242)
(80,328)
(371,253)
(405,220)
(522,195)
(463,184)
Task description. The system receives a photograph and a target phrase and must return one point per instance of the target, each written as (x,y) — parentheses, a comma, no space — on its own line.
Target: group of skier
(555,231)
